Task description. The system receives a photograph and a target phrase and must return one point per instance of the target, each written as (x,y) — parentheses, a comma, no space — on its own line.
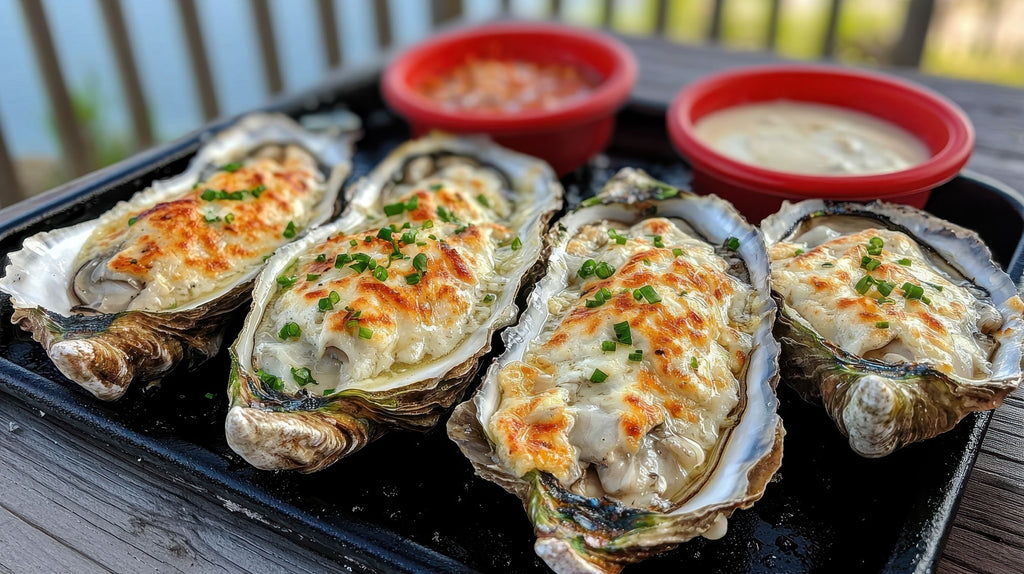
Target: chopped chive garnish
(285,282)
(607,345)
(435,187)
(327,303)
(341,260)
(934,286)
(828,264)
(258,190)
(911,291)
(412,278)
(365,333)
(271,381)
(312,276)
(209,195)
(516,244)
(353,242)
(882,324)
(421,243)
(876,242)
(289,230)
(412,204)
(351,323)
(884,300)
(428,224)
(210,218)
(798,252)
(622,333)
(876,251)
(358,266)
(290,331)
(420,263)
(636,356)
(445,215)
(647,262)
(381,273)
(693,363)
(367,239)
(649,293)
(603,294)
(321,258)
(598,376)
(303,376)
(482,199)
(864,284)
(667,192)
(328,392)
(232,167)
(677,252)
(591,303)
(432,236)
(409,237)
(637,294)
(904,262)
(394,209)
(385,233)
(131,221)
(926,300)
(209,395)
(587,269)
(604,270)
(658,242)
(617,237)
(488,298)
(884,287)
(334,297)
(870,264)
(732,244)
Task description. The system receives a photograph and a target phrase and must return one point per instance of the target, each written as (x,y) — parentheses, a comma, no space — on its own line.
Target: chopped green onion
(926,300)
(617,237)
(312,276)
(798,252)
(864,284)
(934,286)
(488,298)
(604,270)
(828,264)
(232,167)
(598,376)
(341,260)
(351,323)
(409,237)
(321,258)
(427,224)
(271,381)
(365,333)
(876,251)
(328,392)
(637,294)
(603,294)
(591,303)
(911,291)
(650,294)
(636,356)
(290,331)
(209,395)
(420,263)
(412,204)
(732,244)
(882,324)
(658,242)
(303,376)
(884,300)
(381,273)
(358,266)
(904,262)
(210,195)
(432,236)
(412,278)
(210,218)
(385,233)
(334,297)
(884,287)
(647,261)
(327,303)
(285,282)
(258,190)
(516,244)
(677,252)
(353,242)
(445,215)
(876,242)
(623,333)
(394,209)
(435,187)
(587,269)
(131,221)
(871,264)
(289,230)
(482,199)
(667,192)
(693,363)
(607,345)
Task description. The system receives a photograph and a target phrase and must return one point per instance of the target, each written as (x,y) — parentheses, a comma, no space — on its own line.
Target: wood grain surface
(70,503)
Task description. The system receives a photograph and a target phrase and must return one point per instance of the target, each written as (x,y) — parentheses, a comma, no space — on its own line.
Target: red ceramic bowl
(757,192)
(565,136)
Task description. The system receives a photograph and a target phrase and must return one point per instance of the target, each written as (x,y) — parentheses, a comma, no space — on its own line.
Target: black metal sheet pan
(410,502)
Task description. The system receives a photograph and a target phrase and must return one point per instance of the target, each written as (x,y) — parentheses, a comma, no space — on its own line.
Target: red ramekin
(564,137)
(757,192)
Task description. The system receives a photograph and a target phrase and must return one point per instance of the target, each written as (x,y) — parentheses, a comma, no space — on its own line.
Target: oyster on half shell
(378,320)
(634,408)
(898,322)
(148,284)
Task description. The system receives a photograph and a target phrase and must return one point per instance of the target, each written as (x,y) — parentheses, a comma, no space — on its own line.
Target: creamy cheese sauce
(635,421)
(802,137)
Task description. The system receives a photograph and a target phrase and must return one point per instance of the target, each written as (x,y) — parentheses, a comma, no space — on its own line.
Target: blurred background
(88,82)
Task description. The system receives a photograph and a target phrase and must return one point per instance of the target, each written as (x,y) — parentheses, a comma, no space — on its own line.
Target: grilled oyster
(148,284)
(378,320)
(898,322)
(634,407)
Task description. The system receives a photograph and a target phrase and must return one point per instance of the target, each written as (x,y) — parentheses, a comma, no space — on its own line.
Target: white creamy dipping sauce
(802,137)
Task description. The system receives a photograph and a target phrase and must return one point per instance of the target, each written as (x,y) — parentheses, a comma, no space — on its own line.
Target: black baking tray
(410,502)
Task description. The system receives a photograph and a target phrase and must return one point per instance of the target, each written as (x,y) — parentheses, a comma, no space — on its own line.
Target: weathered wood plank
(73,504)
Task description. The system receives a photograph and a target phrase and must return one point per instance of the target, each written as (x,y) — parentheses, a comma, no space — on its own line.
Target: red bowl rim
(611,93)
(943,165)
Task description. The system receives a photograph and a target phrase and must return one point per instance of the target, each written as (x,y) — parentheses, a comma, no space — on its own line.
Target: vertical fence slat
(910,47)
(10,189)
(608,13)
(117,32)
(268,45)
(329,29)
(445,10)
(71,138)
(198,58)
(773,24)
(828,49)
(382,20)
(661,17)
(715,26)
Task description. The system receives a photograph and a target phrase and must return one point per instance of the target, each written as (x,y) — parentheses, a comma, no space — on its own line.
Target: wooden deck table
(72,503)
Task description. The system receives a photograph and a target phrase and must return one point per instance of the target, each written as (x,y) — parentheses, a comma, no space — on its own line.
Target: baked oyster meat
(634,407)
(378,320)
(898,322)
(148,284)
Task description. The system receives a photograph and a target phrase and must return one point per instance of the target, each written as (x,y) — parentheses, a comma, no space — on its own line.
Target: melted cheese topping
(946,327)
(184,249)
(382,325)
(644,434)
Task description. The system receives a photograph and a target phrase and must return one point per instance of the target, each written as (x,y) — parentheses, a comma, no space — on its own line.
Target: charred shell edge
(602,542)
(105,353)
(881,407)
(312,433)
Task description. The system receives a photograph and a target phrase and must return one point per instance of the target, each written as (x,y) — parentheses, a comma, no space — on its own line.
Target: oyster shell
(634,407)
(148,284)
(378,319)
(898,322)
